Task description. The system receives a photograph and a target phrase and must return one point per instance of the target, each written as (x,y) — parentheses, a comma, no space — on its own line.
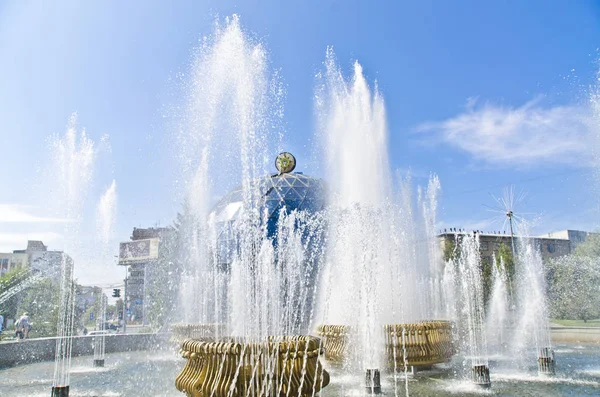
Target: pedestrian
(18,330)
(23,326)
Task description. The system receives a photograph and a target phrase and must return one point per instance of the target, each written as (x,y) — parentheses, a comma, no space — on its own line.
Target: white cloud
(17,213)
(523,136)
(12,241)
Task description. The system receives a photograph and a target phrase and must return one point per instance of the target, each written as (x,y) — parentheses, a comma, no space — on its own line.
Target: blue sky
(485,95)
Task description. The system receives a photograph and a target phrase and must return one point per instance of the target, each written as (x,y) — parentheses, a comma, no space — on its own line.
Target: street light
(124,317)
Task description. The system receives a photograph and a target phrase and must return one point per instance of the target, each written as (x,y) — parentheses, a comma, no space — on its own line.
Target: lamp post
(509,215)
(125,303)
(124,297)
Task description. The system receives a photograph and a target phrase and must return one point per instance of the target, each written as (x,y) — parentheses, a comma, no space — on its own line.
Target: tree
(505,256)
(41,303)
(487,281)
(92,314)
(10,280)
(118,308)
(590,247)
(450,251)
(575,287)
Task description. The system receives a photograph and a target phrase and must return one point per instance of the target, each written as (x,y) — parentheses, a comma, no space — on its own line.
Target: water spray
(64,340)
(100,340)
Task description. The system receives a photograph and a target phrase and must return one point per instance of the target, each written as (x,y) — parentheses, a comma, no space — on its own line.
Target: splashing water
(374,252)
(231,97)
(532,325)
(470,307)
(100,339)
(106,214)
(71,171)
(383,265)
(355,135)
(498,317)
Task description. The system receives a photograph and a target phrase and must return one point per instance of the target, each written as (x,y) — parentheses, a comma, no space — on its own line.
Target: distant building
(151,232)
(11,261)
(43,261)
(550,246)
(575,237)
(35,257)
(87,296)
(35,246)
(139,254)
(48,262)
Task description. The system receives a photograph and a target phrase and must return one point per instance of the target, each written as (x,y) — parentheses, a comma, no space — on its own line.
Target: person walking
(23,326)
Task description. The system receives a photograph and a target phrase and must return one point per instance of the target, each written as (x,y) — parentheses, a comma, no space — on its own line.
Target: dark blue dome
(293,191)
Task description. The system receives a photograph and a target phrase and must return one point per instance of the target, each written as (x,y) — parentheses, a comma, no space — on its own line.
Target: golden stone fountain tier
(425,343)
(335,340)
(281,366)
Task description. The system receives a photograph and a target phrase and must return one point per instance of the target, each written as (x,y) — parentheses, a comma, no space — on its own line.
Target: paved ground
(575,334)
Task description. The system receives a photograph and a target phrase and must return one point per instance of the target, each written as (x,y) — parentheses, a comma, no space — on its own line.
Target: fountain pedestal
(480,375)
(546,363)
(373,381)
(99,363)
(60,391)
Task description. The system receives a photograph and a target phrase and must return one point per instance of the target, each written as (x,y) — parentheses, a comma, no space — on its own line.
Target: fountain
(498,314)
(291,244)
(252,259)
(283,253)
(72,168)
(62,366)
(297,285)
(533,309)
(471,313)
(100,339)
(105,222)
(383,264)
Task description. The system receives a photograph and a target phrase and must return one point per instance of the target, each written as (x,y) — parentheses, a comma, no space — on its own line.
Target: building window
(16,264)
(551,248)
(484,246)
(135,281)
